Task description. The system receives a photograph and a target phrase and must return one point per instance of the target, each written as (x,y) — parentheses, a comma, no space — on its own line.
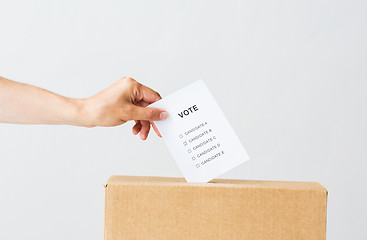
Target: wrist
(80,113)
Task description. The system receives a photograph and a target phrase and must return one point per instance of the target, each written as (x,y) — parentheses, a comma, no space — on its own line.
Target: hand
(124,100)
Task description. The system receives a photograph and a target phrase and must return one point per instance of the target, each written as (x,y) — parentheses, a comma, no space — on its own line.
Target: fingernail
(162,116)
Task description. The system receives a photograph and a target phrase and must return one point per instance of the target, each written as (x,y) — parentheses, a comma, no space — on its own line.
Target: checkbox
(197,165)
(185,143)
(189,151)
(181,136)
(193,158)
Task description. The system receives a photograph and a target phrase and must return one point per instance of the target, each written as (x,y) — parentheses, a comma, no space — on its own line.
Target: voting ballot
(198,135)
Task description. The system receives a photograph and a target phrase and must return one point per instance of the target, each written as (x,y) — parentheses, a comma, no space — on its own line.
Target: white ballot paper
(198,134)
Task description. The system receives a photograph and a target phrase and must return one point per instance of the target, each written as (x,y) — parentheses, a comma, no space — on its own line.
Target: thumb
(148,114)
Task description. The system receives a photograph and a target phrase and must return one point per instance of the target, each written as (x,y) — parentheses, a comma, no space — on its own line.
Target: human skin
(124,100)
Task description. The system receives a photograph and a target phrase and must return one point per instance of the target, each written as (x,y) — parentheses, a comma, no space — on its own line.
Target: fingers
(144,130)
(156,129)
(137,91)
(138,97)
(147,94)
(137,127)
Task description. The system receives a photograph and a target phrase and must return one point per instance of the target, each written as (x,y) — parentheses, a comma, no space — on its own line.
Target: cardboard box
(143,208)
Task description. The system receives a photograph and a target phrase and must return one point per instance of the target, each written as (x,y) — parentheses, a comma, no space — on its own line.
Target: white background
(289,75)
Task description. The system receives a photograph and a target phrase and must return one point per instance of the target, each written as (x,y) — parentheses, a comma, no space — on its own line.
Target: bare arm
(125,100)
(22,103)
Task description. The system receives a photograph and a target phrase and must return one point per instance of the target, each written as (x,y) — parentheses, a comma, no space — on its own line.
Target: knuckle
(130,80)
(127,80)
(148,112)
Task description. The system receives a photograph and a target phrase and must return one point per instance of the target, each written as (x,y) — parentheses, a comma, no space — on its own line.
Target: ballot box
(161,208)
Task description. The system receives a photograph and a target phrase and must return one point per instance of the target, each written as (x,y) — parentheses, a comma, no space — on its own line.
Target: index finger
(148,95)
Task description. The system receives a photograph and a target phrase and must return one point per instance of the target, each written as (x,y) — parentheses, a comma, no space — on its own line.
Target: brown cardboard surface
(170,208)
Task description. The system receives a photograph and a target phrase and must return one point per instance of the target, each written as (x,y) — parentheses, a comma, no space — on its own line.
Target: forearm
(26,104)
